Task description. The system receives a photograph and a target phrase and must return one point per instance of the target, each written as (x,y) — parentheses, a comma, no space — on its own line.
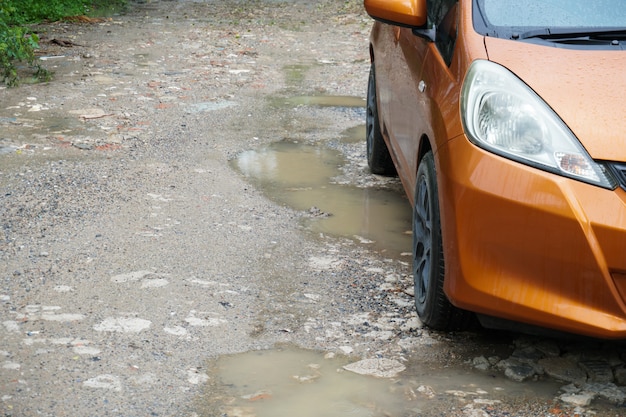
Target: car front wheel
(433,307)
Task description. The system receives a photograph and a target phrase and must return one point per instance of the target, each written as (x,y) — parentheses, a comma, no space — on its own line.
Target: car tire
(378,157)
(432,304)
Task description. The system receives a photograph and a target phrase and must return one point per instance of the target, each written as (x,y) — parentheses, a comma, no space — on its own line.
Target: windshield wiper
(590,33)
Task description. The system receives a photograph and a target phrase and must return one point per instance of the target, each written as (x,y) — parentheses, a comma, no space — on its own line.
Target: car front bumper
(531,246)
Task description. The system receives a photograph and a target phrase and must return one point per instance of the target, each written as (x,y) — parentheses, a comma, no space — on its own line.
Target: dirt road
(136,258)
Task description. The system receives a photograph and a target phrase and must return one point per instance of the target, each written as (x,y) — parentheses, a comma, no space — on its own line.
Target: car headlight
(501,114)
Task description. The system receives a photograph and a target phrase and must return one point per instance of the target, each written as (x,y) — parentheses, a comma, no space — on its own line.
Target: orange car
(506,123)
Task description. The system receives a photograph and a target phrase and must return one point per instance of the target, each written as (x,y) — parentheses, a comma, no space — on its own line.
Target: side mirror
(408,13)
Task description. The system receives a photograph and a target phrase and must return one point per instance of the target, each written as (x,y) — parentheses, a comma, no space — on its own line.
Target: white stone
(383,368)
(195,377)
(11,326)
(209,322)
(154,283)
(110,382)
(346,350)
(176,330)
(322,262)
(144,379)
(62,317)
(86,350)
(11,365)
(583,399)
(313,297)
(122,324)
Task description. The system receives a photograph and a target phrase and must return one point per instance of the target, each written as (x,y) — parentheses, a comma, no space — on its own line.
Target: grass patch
(18,42)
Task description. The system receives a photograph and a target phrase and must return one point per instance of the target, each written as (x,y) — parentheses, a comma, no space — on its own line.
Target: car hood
(586,88)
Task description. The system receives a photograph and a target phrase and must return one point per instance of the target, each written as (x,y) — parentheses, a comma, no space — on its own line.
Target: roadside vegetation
(18,40)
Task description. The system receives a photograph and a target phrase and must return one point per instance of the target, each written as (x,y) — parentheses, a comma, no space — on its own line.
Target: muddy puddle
(353,134)
(301,176)
(289,381)
(326,101)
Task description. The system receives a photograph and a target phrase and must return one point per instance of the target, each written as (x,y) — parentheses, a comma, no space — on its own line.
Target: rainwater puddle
(62,65)
(326,101)
(210,106)
(354,134)
(37,127)
(289,381)
(300,176)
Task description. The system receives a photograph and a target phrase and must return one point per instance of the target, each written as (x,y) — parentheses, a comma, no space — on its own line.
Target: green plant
(18,43)
(30,11)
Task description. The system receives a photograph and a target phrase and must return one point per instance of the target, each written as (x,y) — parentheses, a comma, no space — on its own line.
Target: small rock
(481,363)
(563,369)
(316,212)
(392,278)
(493,360)
(620,376)
(410,324)
(518,370)
(520,373)
(346,350)
(109,382)
(427,391)
(470,411)
(610,392)
(570,389)
(597,370)
(83,146)
(383,368)
(548,348)
(527,354)
(581,400)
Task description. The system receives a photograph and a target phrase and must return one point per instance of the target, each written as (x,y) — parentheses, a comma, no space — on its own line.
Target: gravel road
(134,258)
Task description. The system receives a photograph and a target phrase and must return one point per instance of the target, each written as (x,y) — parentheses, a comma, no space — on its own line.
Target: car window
(443,15)
(438,9)
(554,13)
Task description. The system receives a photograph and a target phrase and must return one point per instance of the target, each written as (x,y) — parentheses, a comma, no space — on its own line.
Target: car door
(401,99)
(414,70)
(439,79)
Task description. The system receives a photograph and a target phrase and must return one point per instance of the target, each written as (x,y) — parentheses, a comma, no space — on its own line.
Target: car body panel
(404,111)
(519,243)
(583,74)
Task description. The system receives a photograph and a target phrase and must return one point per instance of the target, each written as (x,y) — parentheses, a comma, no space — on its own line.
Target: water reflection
(288,381)
(326,101)
(354,134)
(300,176)
(293,382)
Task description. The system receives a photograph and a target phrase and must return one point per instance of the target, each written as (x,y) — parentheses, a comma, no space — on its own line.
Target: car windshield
(553,13)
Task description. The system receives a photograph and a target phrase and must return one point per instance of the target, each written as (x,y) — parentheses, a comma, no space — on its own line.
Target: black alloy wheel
(432,304)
